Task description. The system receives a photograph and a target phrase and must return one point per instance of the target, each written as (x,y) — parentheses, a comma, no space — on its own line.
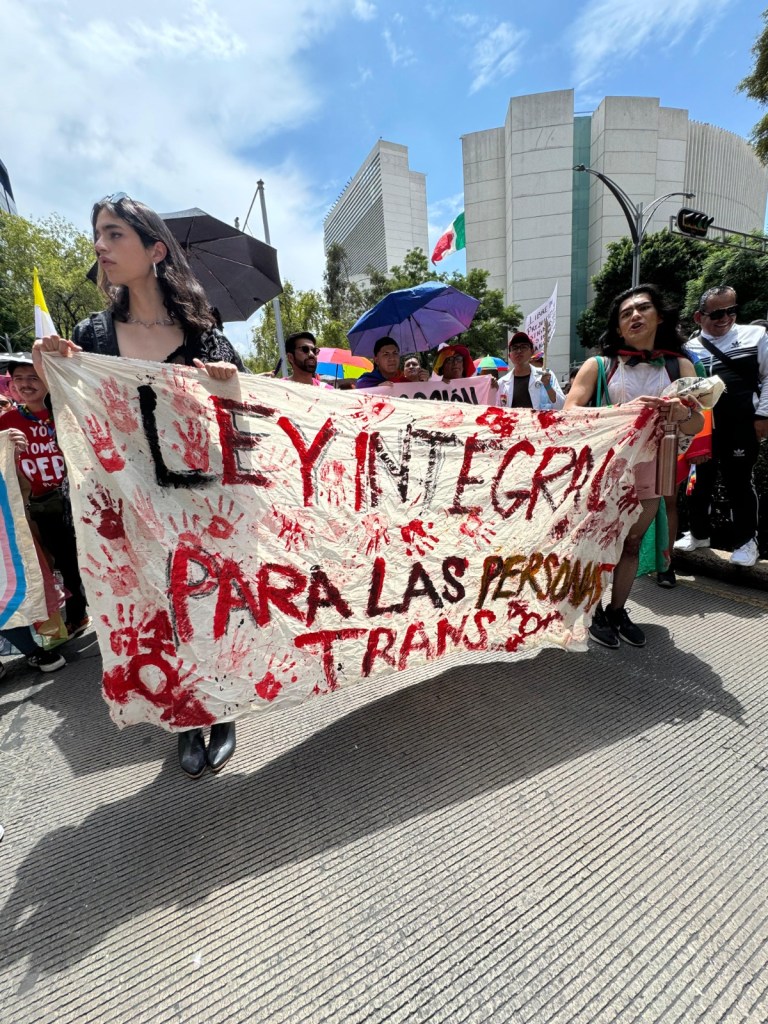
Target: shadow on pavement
(441,742)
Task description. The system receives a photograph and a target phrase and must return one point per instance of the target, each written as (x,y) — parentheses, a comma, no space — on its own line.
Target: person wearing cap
(301,353)
(42,464)
(453,362)
(386,366)
(527,386)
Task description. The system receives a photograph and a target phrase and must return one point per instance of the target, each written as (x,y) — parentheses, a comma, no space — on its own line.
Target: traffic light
(693,222)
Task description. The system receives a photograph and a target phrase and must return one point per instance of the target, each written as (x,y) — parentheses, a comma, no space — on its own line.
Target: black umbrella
(238,272)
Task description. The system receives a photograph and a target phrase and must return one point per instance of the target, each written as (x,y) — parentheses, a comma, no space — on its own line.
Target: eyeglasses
(308,350)
(115,198)
(4,403)
(519,347)
(718,314)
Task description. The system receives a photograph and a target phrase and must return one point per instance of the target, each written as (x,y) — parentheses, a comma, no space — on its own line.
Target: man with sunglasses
(301,352)
(738,354)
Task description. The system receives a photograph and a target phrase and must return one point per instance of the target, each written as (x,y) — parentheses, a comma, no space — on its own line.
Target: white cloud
(364,10)
(496,54)
(610,31)
(398,55)
(169,103)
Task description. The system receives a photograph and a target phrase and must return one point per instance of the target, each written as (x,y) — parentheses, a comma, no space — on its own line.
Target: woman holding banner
(642,345)
(159,312)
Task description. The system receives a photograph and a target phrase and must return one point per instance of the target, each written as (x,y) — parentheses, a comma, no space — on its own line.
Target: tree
(62,255)
(666,260)
(299,311)
(755,85)
(744,270)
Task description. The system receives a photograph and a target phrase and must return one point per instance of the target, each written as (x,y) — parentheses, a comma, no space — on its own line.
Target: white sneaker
(689,543)
(746,555)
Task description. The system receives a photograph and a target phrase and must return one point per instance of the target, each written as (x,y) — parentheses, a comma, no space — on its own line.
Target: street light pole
(638,217)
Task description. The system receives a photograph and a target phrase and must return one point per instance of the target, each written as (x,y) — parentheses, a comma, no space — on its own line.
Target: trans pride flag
(22,591)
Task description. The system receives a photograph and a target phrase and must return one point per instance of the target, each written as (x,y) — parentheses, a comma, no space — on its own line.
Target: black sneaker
(47,661)
(667,578)
(601,630)
(626,629)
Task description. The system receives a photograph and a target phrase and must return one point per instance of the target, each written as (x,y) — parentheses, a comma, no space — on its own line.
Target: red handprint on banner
(190,528)
(129,637)
(416,537)
(280,672)
(183,401)
(222,524)
(375,533)
(100,436)
(499,421)
(106,514)
(194,447)
(148,523)
(477,531)
(332,480)
(121,579)
(288,530)
(117,400)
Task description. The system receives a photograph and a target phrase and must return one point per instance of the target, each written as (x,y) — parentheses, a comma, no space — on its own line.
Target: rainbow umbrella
(489,363)
(340,364)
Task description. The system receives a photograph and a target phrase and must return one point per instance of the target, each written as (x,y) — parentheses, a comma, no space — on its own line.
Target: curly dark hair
(668,333)
(183,295)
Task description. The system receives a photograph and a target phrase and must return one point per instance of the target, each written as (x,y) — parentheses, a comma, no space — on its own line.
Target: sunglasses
(115,198)
(308,350)
(718,314)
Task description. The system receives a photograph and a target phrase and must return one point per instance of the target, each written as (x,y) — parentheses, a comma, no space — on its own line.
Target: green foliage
(343,299)
(62,255)
(744,270)
(299,311)
(666,260)
(755,85)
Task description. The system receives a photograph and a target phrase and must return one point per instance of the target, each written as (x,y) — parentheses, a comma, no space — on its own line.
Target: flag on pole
(451,240)
(43,323)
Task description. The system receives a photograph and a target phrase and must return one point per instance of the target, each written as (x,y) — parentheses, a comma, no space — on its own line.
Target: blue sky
(189,103)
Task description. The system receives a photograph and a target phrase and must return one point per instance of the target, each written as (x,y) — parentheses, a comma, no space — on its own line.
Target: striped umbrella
(340,364)
(489,363)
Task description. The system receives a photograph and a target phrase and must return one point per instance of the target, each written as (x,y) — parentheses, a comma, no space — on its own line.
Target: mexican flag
(43,322)
(451,240)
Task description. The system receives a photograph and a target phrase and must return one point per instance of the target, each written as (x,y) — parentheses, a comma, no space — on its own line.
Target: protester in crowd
(642,347)
(452,363)
(526,386)
(43,466)
(738,354)
(157,311)
(571,377)
(22,637)
(412,369)
(301,353)
(386,365)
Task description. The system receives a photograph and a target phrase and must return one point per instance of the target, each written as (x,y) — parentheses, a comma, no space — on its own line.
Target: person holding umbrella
(159,312)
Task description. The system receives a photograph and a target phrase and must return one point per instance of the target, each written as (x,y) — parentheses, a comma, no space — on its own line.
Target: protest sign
(22,591)
(248,543)
(472,390)
(540,324)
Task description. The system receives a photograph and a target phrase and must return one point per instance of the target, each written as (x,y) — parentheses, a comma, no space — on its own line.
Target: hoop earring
(154,268)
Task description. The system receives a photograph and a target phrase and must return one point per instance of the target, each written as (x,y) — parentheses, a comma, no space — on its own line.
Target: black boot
(192,752)
(221,745)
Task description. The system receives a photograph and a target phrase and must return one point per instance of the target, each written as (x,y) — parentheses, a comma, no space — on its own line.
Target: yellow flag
(43,323)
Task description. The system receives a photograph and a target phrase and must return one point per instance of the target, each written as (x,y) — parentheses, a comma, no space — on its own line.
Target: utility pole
(275,302)
(638,217)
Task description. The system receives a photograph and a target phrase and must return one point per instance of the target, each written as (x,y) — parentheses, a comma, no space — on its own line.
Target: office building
(532,221)
(381,214)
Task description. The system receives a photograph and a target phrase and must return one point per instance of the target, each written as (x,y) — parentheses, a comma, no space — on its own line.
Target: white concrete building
(382,212)
(533,221)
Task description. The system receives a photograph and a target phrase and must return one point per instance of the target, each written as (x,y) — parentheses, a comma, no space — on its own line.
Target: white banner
(22,593)
(478,390)
(249,543)
(535,323)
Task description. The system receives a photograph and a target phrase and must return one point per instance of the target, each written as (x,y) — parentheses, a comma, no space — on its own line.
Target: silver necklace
(165,322)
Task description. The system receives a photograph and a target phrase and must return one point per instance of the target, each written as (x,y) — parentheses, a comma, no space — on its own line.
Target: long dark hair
(668,333)
(183,295)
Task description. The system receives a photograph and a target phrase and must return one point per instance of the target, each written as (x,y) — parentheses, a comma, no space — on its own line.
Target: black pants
(58,538)
(734,449)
